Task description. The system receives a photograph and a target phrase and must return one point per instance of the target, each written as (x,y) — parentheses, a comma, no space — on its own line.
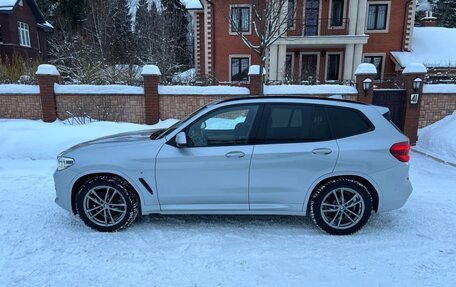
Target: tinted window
(294,123)
(226,126)
(347,122)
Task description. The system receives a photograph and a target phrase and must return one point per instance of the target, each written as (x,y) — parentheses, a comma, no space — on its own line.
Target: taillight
(401,151)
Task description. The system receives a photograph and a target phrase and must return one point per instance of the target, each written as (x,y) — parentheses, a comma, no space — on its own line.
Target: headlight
(64,162)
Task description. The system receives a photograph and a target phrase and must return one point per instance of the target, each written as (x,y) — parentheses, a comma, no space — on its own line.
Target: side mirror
(181,139)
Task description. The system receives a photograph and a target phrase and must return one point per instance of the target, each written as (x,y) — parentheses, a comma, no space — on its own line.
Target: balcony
(318,27)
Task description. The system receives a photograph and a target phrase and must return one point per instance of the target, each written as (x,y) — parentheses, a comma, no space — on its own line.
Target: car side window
(289,123)
(346,122)
(225,126)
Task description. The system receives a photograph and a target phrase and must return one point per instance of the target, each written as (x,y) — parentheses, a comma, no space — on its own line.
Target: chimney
(429,20)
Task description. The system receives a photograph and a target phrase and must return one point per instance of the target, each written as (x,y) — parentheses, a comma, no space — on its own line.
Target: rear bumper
(395,187)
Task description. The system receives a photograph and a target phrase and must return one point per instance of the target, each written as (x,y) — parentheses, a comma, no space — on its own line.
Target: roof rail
(287,97)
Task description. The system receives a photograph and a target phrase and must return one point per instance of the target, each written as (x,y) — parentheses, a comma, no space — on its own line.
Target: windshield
(179,123)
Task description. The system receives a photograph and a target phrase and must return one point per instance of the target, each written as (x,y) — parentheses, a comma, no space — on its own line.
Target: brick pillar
(151,75)
(255,80)
(412,72)
(47,76)
(365,72)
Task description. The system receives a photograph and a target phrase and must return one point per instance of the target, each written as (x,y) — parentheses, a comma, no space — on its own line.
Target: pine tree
(120,34)
(445,11)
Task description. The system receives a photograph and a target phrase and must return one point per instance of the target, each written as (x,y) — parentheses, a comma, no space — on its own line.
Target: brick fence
(148,104)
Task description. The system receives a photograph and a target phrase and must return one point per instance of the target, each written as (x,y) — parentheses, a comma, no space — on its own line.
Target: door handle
(238,154)
(322,151)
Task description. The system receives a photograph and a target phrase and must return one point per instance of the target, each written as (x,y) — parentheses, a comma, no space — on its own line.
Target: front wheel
(107,203)
(341,206)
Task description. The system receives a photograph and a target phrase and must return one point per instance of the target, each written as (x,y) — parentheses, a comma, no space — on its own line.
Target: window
(240,19)
(289,67)
(291,13)
(286,123)
(240,69)
(333,68)
(337,13)
(226,126)
(378,63)
(347,122)
(376,18)
(24,34)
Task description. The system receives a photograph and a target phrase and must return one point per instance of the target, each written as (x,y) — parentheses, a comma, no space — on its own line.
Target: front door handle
(238,154)
(322,151)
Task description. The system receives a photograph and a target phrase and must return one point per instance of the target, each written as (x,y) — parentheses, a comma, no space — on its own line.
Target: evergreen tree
(120,35)
(445,11)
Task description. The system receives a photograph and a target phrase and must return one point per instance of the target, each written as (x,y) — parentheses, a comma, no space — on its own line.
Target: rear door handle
(235,154)
(322,151)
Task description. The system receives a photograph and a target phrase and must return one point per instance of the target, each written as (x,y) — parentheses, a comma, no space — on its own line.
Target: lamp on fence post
(367,85)
(416,85)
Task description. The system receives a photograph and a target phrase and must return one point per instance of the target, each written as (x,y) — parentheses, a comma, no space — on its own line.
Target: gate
(394,100)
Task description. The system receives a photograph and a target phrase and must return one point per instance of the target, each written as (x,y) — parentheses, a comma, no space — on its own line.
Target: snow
(19,89)
(33,139)
(185,76)
(308,89)
(366,68)
(439,139)
(7,4)
(439,89)
(431,46)
(47,69)
(414,68)
(202,90)
(150,70)
(44,245)
(192,4)
(98,89)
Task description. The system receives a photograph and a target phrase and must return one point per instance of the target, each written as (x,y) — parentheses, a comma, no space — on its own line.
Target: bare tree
(269,23)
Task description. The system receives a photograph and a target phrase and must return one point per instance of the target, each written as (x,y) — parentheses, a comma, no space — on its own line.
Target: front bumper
(63,182)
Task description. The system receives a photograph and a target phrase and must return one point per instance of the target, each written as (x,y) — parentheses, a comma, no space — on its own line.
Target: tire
(341,206)
(107,203)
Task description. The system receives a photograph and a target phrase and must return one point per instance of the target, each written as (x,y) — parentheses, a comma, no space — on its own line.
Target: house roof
(192,4)
(8,6)
(431,46)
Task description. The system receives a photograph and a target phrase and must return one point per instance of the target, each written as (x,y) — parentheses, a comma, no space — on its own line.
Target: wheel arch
(77,183)
(371,186)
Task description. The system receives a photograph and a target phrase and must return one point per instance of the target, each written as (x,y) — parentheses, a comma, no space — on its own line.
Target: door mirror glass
(181,139)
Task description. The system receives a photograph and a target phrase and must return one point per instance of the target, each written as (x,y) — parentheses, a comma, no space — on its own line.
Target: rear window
(286,123)
(347,122)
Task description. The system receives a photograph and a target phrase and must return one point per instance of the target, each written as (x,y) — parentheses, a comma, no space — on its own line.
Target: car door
(295,149)
(211,172)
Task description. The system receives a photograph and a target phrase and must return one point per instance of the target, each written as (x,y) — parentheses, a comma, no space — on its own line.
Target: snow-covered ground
(43,245)
(439,139)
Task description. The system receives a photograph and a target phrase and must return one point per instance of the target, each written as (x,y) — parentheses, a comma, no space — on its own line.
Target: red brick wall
(434,107)
(14,106)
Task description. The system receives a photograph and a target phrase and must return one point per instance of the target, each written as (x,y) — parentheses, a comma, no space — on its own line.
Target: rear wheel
(107,203)
(341,206)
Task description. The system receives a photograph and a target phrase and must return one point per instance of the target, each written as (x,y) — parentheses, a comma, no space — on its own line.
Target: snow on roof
(309,90)
(439,89)
(192,4)
(202,90)
(413,68)
(365,68)
(46,69)
(150,70)
(7,5)
(431,46)
(12,89)
(98,89)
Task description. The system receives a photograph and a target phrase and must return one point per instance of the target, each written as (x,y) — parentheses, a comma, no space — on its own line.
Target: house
(325,42)
(23,29)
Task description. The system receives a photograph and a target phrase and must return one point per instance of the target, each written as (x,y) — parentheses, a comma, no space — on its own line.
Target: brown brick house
(23,29)
(325,42)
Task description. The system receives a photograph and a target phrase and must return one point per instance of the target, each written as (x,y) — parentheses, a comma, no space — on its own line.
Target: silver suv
(336,160)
